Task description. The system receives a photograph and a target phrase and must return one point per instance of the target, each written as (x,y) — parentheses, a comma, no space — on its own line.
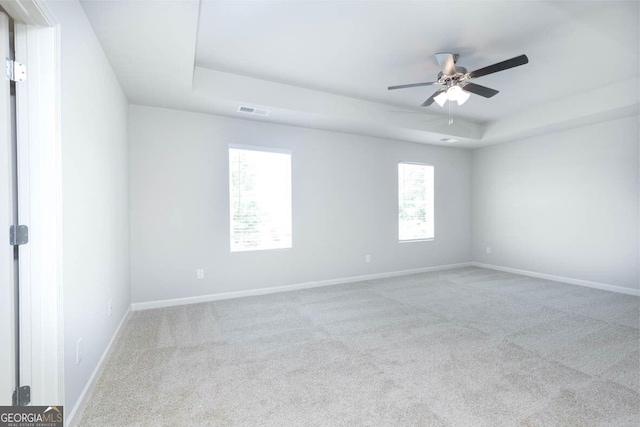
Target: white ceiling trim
(617,100)
(255,92)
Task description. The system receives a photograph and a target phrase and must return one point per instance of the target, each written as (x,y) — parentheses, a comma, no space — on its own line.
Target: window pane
(260,199)
(415,199)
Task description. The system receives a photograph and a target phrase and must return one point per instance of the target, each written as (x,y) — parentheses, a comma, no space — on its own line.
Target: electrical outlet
(200,273)
(488,250)
(79,351)
(367,258)
(110,308)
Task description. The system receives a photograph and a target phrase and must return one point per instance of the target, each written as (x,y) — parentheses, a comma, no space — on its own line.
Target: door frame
(38,115)
(7,288)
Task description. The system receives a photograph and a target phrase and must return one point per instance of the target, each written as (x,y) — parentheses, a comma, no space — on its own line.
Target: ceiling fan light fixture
(463,97)
(441,99)
(452,92)
(455,93)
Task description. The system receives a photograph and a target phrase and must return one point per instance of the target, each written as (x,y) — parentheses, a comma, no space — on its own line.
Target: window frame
(425,239)
(264,149)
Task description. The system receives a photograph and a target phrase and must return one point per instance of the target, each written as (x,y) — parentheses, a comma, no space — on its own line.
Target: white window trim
(266,149)
(262,148)
(430,239)
(417,240)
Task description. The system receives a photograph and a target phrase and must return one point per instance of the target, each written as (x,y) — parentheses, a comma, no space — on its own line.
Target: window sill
(241,251)
(416,240)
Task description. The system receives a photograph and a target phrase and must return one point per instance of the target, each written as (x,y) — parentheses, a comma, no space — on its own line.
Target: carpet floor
(460,347)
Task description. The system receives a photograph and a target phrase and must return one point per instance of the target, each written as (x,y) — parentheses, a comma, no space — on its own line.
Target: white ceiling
(327,64)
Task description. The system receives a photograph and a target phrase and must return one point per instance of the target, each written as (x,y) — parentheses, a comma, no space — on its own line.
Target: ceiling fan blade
(500,66)
(487,92)
(447,63)
(411,85)
(430,100)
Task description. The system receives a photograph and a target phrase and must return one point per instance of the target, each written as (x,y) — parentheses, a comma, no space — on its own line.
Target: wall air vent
(448,140)
(255,111)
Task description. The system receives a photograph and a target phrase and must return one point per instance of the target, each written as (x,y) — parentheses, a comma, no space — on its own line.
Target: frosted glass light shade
(462,97)
(454,93)
(441,99)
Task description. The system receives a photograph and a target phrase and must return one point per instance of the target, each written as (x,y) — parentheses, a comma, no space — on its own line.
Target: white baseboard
(263,291)
(88,388)
(579,282)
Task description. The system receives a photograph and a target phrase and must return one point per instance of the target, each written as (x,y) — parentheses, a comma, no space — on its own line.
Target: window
(415,201)
(260,198)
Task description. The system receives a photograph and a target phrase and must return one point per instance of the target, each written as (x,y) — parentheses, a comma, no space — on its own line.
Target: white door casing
(7,325)
(39,177)
(37,104)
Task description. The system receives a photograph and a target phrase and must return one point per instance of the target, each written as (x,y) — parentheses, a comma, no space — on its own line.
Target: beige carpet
(460,347)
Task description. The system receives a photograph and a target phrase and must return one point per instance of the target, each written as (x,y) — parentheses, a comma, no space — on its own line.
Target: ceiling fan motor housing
(450,79)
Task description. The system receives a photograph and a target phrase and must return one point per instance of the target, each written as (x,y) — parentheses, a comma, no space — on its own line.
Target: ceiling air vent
(448,140)
(251,110)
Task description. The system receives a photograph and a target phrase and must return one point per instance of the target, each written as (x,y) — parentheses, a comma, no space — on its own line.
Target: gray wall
(95,197)
(344,206)
(564,204)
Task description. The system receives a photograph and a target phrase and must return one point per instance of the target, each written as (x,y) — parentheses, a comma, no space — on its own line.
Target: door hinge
(18,235)
(22,396)
(16,71)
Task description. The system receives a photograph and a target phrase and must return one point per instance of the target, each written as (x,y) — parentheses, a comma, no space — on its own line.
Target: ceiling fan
(455,79)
